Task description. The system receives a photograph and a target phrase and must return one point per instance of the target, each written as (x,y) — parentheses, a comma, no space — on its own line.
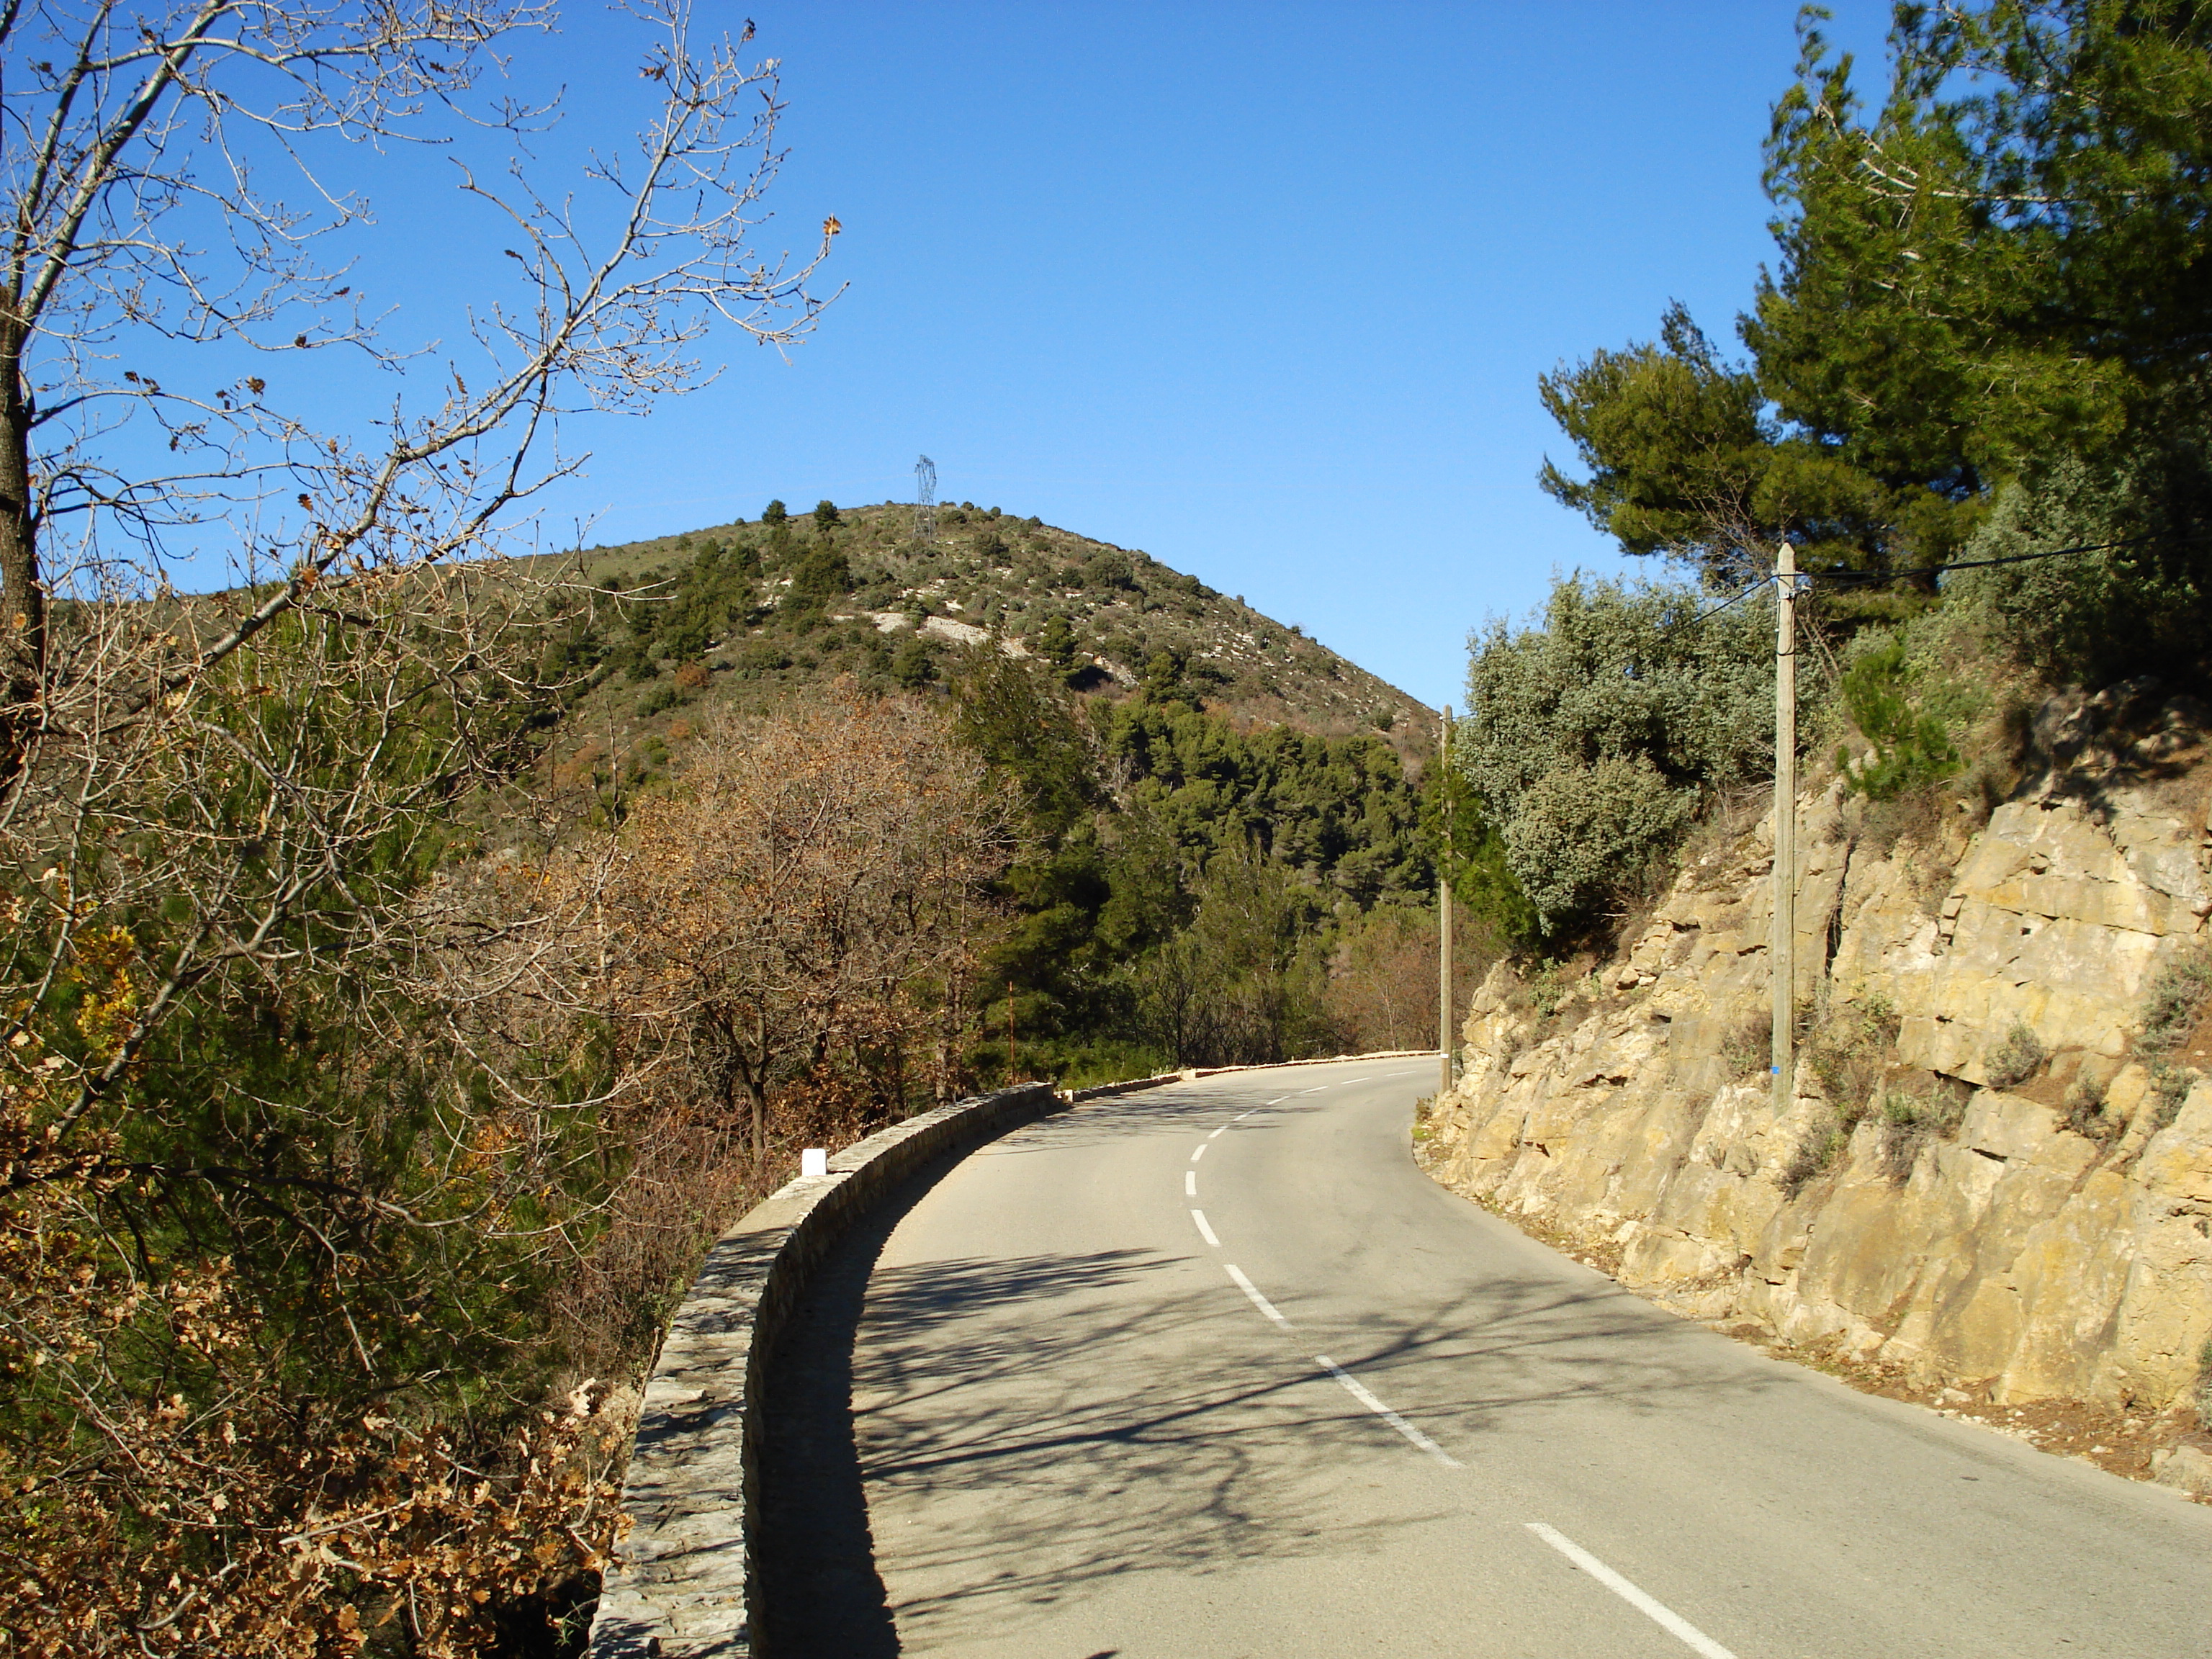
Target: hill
(738,615)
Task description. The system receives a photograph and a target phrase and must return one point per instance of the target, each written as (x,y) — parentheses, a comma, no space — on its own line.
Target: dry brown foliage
(287,1185)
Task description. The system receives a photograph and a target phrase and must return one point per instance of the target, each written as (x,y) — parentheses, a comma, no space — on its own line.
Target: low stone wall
(682,1591)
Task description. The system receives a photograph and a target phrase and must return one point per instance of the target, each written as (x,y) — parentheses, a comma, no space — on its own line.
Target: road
(1213,1371)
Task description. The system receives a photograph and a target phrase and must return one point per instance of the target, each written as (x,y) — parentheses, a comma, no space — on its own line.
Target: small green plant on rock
(1822,1144)
(1748,1047)
(2176,998)
(2086,1117)
(2169,1087)
(1911,1120)
(1850,1049)
(2019,1057)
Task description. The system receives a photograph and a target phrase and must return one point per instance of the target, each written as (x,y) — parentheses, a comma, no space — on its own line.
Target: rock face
(1973,1236)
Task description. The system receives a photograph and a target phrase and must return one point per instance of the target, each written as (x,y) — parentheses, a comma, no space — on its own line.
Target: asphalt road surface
(1212,1371)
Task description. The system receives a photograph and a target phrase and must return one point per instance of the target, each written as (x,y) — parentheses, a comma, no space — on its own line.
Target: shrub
(824,575)
(1911,746)
(2019,1057)
(2143,606)
(2169,1087)
(1852,1049)
(1822,1144)
(2170,1009)
(1583,831)
(914,665)
(1911,1120)
(1594,738)
(1748,1049)
(2086,1116)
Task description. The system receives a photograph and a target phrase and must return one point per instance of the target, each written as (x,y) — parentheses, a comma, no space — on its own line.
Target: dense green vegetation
(1186,882)
(1975,398)
(1996,268)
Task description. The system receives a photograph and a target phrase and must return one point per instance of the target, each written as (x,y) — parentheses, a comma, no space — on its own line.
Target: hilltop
(739,615)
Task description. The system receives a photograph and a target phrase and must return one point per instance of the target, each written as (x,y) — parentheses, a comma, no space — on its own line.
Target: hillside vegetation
(738,616)
(1220,812)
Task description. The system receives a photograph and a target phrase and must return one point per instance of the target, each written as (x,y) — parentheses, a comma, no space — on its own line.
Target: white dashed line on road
(1223,1130)
(1200,1152)
(1252,1291)
(1205,1232)
(1359,1391)
(1660,1614)
(1190,1183)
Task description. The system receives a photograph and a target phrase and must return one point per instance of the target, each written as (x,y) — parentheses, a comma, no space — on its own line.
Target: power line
(1868,578)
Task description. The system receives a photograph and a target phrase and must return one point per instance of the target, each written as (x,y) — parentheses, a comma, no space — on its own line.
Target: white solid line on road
(1252,1291)
(1205,1232)
(1200,1152)
(1357,1391)
(1190,1183)
(1660,1614)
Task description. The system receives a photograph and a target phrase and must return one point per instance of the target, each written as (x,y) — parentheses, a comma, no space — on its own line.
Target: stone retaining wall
(682,1591)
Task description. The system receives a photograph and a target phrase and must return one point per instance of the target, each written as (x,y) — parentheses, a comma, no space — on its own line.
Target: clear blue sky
(1262,289)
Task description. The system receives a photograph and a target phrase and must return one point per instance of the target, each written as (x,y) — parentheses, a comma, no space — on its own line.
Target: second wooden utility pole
(1443,910)
(1785,944)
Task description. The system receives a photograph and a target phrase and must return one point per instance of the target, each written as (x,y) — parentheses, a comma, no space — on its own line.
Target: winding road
(1213,1370)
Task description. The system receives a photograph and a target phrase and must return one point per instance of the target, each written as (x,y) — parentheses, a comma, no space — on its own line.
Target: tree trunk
(22,600)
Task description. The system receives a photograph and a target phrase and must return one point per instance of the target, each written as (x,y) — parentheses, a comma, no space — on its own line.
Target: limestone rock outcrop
(1999,1239)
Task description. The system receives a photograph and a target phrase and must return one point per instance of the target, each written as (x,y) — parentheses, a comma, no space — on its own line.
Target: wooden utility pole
(1444,910)
(1784,945)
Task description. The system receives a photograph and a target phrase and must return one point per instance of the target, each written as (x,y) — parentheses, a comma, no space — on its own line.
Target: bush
(1595,739)
(1748,1049)
(2095,617)
(824,575)
(1822,1144)
(2086,1117)
(2019,1057)
(914,665)
(2176,996)
(1852,1050)
(1911,747)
